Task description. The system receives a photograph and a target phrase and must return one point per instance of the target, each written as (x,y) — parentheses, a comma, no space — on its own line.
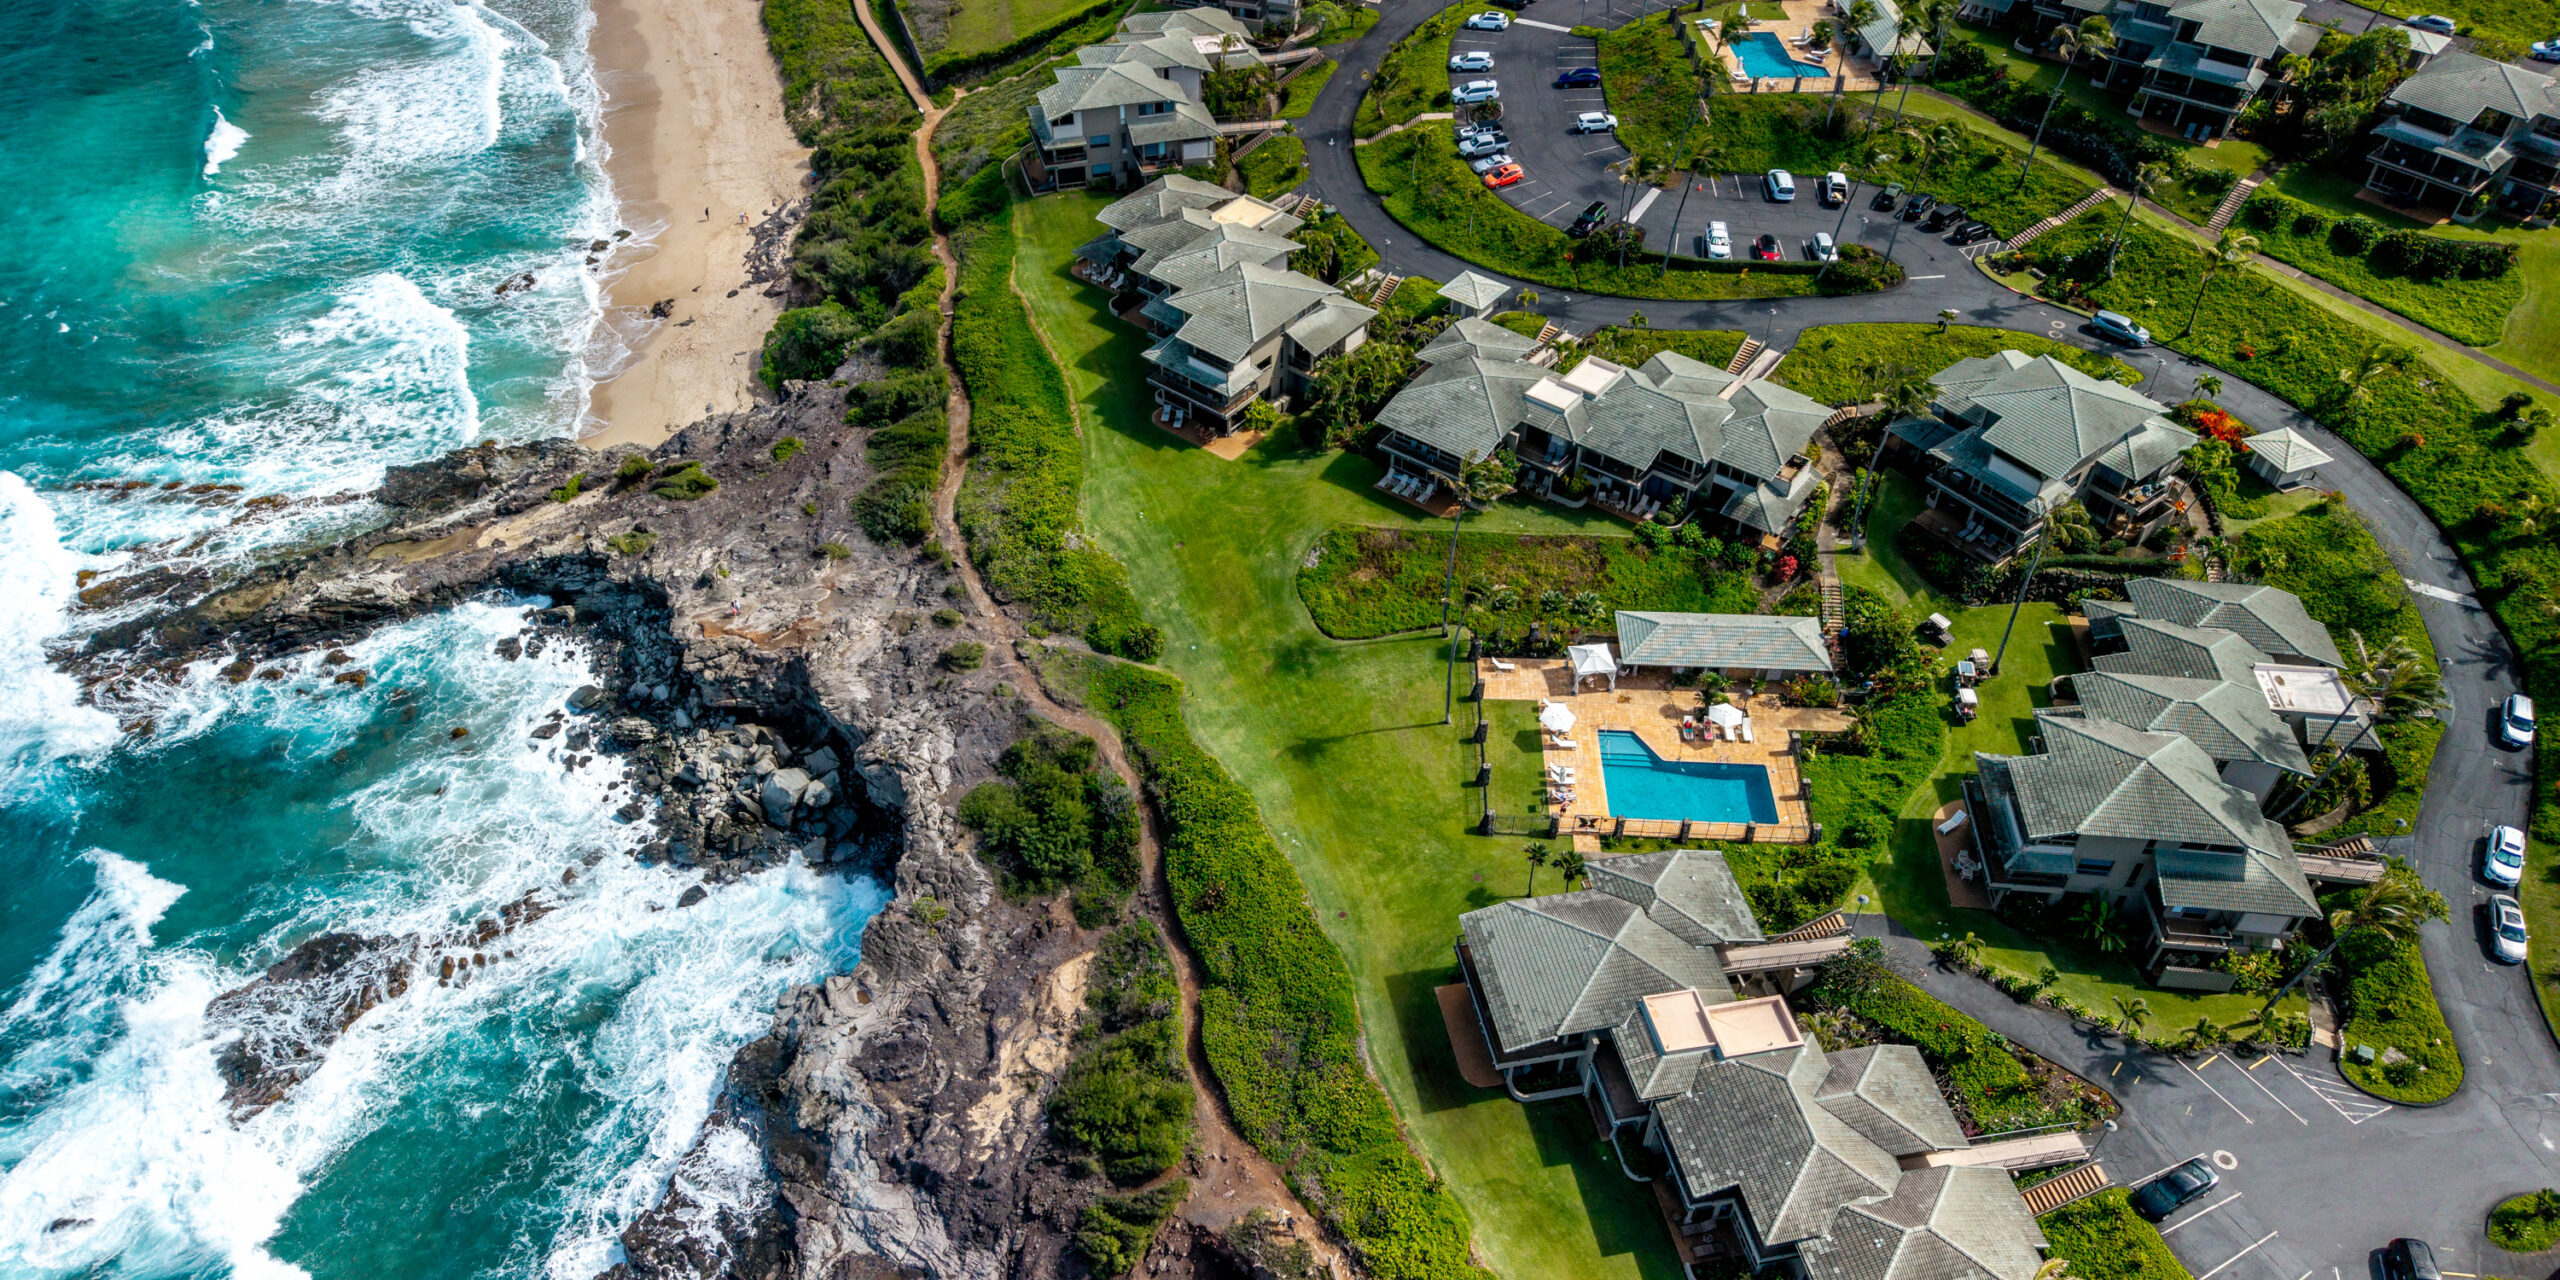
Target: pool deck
(1797,17)
(1647,706)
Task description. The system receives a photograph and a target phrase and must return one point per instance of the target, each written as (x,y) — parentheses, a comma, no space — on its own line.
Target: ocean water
(257,243)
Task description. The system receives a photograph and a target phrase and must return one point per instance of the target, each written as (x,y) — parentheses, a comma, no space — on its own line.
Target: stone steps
(2224,212)
(1742,359)
(2072,1184)
(2091,201)
(1386,289)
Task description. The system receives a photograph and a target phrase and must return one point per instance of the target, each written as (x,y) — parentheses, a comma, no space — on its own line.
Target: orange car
(1504,176)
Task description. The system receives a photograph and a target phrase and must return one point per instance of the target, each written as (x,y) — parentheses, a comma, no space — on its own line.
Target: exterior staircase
(1549,333)
(1386,289)
(1288,201)
(1742,359)
(2091,201)
(1835,613)
(2224,212)
(2071,1184)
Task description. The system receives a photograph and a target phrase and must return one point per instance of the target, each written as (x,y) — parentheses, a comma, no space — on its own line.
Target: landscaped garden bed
(2395,1044)
(1277,165)
(1412,78)
(2529,1223)
(1365,582)
(2104,1239)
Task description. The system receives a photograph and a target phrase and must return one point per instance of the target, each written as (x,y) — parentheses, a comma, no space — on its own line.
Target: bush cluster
(2403,252)
(1993,1088)
(1125,1098)
(1053,818)
(1113,1232)
(1368,582)
(2106,1240)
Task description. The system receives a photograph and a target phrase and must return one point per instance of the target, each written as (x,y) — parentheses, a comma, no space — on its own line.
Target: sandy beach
(693,117)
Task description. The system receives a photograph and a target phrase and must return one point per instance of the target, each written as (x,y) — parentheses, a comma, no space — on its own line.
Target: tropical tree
(1586,610)
(2392,908)
(1904,27)
(2230,253)
(1571,866)
(1929,16)
(1947,316)
(2145,177)
(2205,1032)
(2092,36)
(2378,362)
(1908,398)
(2131,1013)
(2097,921)
(2073,529)
(1486,480)
(1861,12)
(2208,385)
(1538,857)
(2395,682)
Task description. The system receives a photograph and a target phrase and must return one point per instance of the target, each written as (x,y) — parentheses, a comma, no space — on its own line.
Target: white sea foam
(40,713)
(223,143)
(436,107)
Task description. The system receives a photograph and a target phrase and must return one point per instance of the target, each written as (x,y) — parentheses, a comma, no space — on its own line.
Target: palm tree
(1860,14)
(2206,1031)
(2097,920)
(2093,35)
(2144,178)
(1936,14)
(1932,15)
(1586,610)
(2392,907)
(2396,682)
(2131,1013)
(2073,530)
(1538,857)
(1904,27)
(1501,597)
(1908,398)
(1946,317)
(2230,253)
(1570,865)
(2377,363)
(2208,385)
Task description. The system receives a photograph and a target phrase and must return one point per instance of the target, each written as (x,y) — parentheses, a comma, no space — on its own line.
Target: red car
(1504,176)
(1765,248)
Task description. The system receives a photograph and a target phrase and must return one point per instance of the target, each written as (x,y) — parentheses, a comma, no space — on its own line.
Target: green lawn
(1214,548)
(1856,363)
(2106,1240)
(2523,21)
(1635,346)
(1355,22)
(1413,78)
(981,26)
(1654,88)
(1277,165)
(1881,568)
(2469,311)
(1303,90)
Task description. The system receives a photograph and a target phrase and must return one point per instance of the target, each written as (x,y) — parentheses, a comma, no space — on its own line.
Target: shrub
(1992,1087)
(967,655)
(787,448)
(634,543)
(807,342)
(570,490)
(835,551)
(2105,1240)
(946,617)
(683,482)
(1113,1232)
(2529,1223)
(1125,1096)
(2354,234)
(632,468)
(896,506)
(909,342)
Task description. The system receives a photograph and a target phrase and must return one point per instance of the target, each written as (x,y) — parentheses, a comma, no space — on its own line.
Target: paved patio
(1968,894)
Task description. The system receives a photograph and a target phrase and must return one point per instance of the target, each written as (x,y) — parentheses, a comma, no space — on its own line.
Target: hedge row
(2404,252)
(1277,1015)
(2105,1240)
(1018,507)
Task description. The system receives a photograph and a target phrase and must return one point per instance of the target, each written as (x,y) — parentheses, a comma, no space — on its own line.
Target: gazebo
(1592,660)
(1475,293)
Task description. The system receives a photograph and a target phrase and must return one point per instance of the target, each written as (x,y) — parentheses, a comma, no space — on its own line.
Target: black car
(1967,233)
(1920,204)
(2406,1259)
(1885,199)
(1945,216)
(2166,1194)
(1590,220)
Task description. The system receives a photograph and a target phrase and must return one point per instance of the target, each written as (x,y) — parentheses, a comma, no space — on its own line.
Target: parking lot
(1565,171)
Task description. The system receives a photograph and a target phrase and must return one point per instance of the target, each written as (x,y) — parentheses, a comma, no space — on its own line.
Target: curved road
(2320,1174)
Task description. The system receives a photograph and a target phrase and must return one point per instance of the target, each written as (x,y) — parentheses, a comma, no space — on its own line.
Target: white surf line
(2190,1219)
(1542,26)
(2237,1256)
(2251,1071)
(2208,1088)
(2433,592)
(1643,203)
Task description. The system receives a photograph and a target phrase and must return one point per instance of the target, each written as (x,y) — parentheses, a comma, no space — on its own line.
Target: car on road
(1472,60)
(1504,176)
(1885,199)
(2506,929)
(1489,20)
(2546,50)
(1780,184)
(1719,240)
(2171,1191)
(1920,204)
(1821,249)
(2119,326)
(1579,78)
(1969,232)
(2515,721)
(1835,188)
(2406,1259)
(1765,248)
(2502,856)
(1944,216)
(2435,22)
(1475,91)
(1483,144)
(1589,220)
(1595,122)
(1487,164)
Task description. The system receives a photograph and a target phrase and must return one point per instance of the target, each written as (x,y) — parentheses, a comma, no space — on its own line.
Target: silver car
(2515,721)
(1487,164)
(2506,929)
(2502,857)
(1476,91)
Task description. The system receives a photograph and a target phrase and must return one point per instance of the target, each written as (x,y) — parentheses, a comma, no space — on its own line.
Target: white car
(1475,91)
(2506,929)
(1472,60)
(1488,164)
(2502,857)
(1482,145)
(1719,241)
(2515,721)
(2546,50)
(1822,249)
(2435,22)
(1835,187)
(1595,122)
(1490,20)
(1781,185)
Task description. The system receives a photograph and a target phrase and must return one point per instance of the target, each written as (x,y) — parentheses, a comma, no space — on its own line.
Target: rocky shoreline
(771,685)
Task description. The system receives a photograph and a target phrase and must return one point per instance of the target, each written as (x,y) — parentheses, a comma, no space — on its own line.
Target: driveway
(2320,1174)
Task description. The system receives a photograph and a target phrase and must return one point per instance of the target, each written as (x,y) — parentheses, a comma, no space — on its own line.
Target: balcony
(1981,541)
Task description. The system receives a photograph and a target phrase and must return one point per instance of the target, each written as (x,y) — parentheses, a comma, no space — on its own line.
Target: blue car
(1579,78)
(2120,327)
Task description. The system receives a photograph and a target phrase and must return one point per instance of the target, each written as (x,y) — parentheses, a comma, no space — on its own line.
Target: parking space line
(2237,1256)
(2365,1108)
(2190,1218)
(2247,1074)
(2208,1088)
(1597,150)
(1643,203)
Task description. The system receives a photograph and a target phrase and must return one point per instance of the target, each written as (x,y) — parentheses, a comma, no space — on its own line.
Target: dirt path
(1229,1177)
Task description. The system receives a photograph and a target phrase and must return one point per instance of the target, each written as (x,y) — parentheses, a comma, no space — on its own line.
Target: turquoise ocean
(258,243)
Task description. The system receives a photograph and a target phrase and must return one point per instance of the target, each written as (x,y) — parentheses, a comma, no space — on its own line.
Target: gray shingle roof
(1114,84)
(1464,405)
(1468,336)
(2147,452)
(2271,619)
(2099,778)
(1756,641)
(1691,892)
(1770,424)
(2157,648)
(1886,1093)
(1239,310)
(1653,1074)
(1198,248)
(1198,22)
(1472,290)
(1187,122)
(2459,86)
(1752,1124)
(1672,371)
(1161,200)
(2259,28)
(2230,721)
(2054,418)
(1637,422)
(1949,1223)
(1334,319)
(1146,51)
(2287,449)
(1966,451)
(1573,962)
(1772,507)
(2262,881)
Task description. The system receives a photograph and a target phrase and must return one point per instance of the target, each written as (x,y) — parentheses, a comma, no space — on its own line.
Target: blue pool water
(1644,785)
(1763,54)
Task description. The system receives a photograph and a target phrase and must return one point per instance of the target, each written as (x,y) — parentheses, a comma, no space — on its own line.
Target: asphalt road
(2319,1174)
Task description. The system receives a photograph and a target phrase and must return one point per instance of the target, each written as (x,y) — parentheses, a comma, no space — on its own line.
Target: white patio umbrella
(1726,714)
(1557,717)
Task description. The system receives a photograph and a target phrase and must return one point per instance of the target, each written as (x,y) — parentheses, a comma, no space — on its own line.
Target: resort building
(2471,134)
(1258,13)
(1763,1147)
(2285,458)
(1206,271)
(2009,438)
(2190,67)
(1673,431)
(1742,645)
(1131,108)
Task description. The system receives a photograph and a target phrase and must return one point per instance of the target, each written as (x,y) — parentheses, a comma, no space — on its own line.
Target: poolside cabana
(1592,660)
(1744,645)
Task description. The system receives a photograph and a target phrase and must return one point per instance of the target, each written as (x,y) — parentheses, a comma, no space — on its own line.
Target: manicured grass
(983,26)
(1518,754)
(1633,347)
(1382,581)
(1881,568)
(2032,72)
(1277,165)
(1302,91)
(1343,748)
(2529,1223)
(2391,1006)
(1527,324)
(2523,21)
(1355,22)
(1412,78)
(1857,363)
(2106,1240)
(2471,311)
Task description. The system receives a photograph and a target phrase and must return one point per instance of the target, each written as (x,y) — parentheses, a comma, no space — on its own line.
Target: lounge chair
(1500,665)
(1746,732)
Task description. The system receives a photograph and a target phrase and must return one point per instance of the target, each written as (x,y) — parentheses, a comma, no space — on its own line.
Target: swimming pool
(1644,785)
(1762,54)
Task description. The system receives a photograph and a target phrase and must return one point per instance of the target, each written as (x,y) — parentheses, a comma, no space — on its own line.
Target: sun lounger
(1500,665)
(1746,732)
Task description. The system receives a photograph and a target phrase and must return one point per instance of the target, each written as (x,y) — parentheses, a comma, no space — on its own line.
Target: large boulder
(782,789)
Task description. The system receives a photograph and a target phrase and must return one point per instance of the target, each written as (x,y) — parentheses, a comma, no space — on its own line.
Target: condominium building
(2189,66)
(2471,134)
(1131,108)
